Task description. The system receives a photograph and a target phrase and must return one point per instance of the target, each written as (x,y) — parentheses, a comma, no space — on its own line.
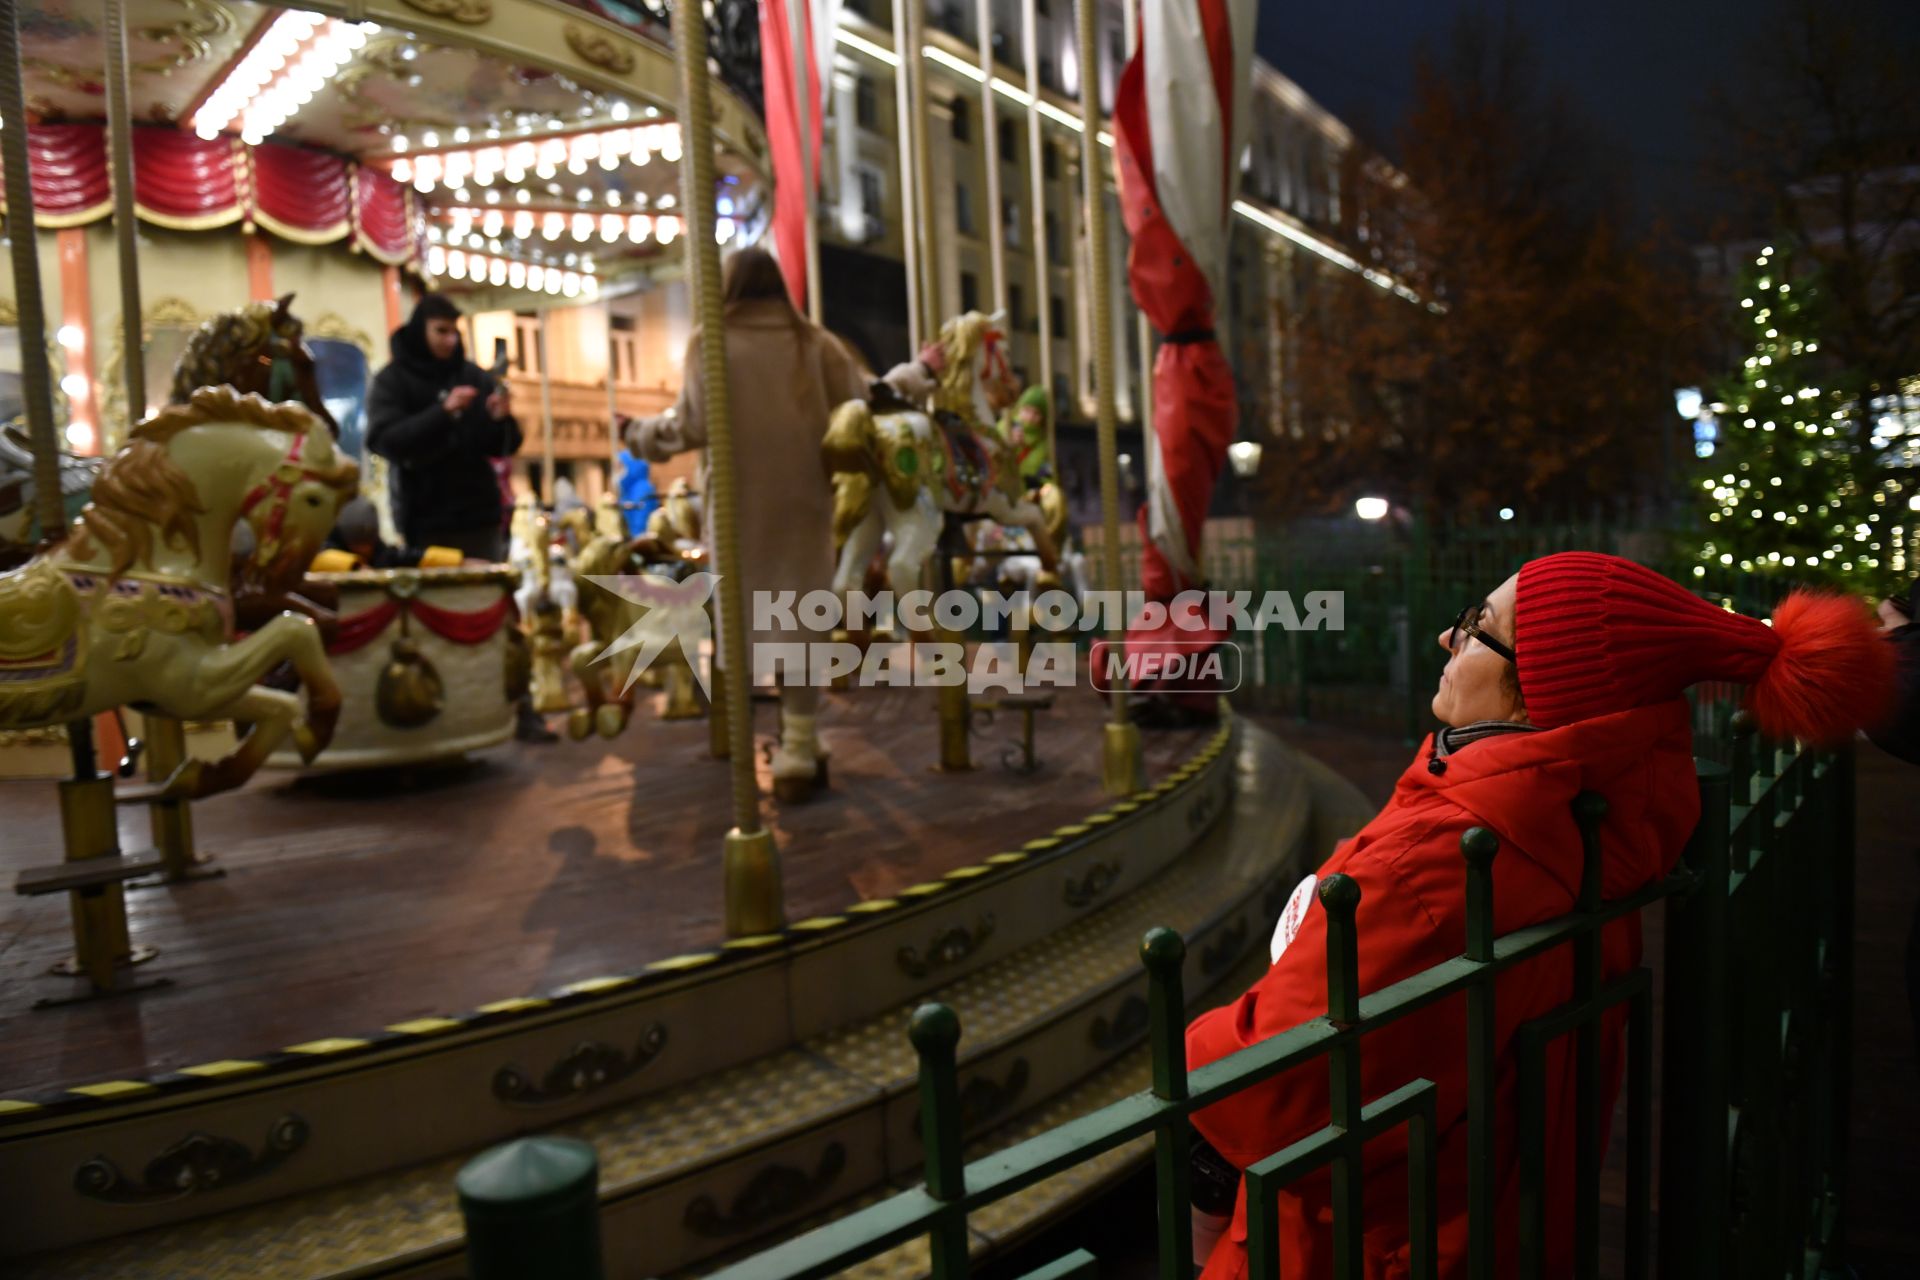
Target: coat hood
(408,347)
(1521,786)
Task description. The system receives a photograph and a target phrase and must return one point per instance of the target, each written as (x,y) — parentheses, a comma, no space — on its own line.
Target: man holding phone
(441,419)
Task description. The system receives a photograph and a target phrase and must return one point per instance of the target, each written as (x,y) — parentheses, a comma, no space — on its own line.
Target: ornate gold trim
(299,235)
(501,577)
(470,12)
(198,222)
(195,32)
(600,49)
(333,327)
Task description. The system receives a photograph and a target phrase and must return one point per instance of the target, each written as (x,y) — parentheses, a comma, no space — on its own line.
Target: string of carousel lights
(294,58)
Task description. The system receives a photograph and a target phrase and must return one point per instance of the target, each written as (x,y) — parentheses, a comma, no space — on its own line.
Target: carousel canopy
(466,166)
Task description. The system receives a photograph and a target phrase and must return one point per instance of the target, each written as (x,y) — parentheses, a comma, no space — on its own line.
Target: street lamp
(1245,457)
(1370,508)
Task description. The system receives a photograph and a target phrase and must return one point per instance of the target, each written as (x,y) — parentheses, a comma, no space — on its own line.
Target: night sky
(1638,70)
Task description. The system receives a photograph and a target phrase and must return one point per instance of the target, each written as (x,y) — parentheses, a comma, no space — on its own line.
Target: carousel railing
(1748,1129)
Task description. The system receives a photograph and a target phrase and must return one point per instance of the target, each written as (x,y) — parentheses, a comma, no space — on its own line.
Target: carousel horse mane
(142,489)
(963,338)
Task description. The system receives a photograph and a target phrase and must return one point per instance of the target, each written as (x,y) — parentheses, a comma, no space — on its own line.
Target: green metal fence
(1752,1089)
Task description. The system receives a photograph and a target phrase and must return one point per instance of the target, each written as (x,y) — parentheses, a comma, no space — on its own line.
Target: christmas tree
(1798,484)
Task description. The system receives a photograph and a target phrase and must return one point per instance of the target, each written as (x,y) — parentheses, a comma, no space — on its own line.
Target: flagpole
(1120,771)
(1037,197)
(800,46)
(750,862)
(904,173)
(990,125)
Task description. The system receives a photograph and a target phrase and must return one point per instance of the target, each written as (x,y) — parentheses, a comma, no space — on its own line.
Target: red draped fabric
(301,194)
(359,630)
(383,221)
(182,180)
(69,163)
(187,182)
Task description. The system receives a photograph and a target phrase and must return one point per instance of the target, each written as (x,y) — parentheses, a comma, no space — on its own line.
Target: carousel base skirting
(697,1072)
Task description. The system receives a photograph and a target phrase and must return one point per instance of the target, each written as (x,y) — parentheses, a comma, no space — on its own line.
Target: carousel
(299,924)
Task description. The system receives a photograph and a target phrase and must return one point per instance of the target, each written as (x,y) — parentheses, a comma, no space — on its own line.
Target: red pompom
(1832,676)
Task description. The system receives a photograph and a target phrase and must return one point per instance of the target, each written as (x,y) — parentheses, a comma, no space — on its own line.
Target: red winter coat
(1412,916)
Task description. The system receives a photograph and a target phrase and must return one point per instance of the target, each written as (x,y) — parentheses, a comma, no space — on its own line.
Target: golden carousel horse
(134,607)
(671,544)
(926,465)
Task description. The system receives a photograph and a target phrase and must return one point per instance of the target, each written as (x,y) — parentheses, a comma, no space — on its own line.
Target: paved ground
(1882,1232)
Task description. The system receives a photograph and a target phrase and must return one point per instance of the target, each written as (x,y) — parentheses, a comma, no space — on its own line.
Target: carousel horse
(134,607)
(669,548)
(261,350)
(900,471)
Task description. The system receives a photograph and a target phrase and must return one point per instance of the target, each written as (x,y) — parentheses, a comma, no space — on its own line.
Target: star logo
(669,612)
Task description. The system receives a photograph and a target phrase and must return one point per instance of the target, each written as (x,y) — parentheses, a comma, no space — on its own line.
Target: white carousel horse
(899,472)
(134,607)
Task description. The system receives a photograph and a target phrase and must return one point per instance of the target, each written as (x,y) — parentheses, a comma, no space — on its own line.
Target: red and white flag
(1180,126)
(796,162)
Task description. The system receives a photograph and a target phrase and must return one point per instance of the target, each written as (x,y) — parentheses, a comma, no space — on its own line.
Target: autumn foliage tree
(1537,370)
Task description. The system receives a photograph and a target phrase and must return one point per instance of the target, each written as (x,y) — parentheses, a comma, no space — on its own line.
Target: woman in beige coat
(785,376)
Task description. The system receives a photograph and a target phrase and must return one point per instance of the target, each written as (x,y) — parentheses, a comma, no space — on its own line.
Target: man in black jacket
(440,418)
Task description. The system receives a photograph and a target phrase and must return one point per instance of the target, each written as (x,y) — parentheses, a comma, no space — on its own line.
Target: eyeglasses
(1469,622)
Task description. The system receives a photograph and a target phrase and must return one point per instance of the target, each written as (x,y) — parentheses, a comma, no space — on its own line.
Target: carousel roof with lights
(424,145)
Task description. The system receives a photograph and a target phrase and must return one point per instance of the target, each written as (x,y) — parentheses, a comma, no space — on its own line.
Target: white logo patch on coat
(1293,916)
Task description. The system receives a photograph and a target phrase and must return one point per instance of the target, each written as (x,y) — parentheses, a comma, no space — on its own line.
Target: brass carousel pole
(613,408)
(990,132)
(120,139)
(911,214)
(922,183)
(1037,194)
(752,864)
(166,745)
(1120,770)
(1144,328)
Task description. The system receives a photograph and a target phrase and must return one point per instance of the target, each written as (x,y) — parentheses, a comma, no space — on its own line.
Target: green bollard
(532,1208)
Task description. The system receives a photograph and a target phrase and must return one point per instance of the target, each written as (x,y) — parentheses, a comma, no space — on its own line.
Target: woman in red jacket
(1568,678)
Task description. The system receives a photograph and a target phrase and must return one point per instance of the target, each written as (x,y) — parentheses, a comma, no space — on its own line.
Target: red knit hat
(1596,634)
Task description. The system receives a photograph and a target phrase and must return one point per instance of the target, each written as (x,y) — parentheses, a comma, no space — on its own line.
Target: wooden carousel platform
(357,901)
(731,1098)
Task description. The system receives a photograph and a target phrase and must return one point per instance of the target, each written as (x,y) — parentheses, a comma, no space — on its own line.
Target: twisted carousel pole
(990,142)
(36,386)
(1037,197)
(1120,763)
(752,864)
(120,147)
(36,381)
(911,215)
(800,44)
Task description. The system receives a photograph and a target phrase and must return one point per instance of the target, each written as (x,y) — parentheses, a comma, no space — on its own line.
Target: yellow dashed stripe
(515,1005)
(426,1026)
(680,964)
(111,1089)
(321,1048)
(225,1069)
(591,986)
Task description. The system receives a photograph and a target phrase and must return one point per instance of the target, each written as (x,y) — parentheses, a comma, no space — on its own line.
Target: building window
(1009,142)
(1056,250)
(1042,8)
(872,199)
(1010,221)
(962,209)
(866,103)
(969,291)
(1117,46)
(1016,308)
(1048,80)
(1057,306)
(1062,396)
(1049,162)
(962,122)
